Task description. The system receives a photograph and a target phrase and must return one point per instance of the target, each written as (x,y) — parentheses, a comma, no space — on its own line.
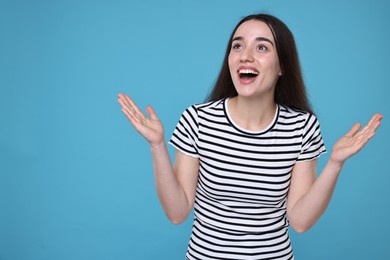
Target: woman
(246,159)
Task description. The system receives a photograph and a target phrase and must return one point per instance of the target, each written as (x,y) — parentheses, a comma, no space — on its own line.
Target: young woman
(246,159)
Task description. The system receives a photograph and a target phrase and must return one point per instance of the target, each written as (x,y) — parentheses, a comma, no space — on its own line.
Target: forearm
(310,207)
(306,207)
(170,192)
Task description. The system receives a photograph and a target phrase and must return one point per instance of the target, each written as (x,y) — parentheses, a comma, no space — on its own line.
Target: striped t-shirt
(244,177)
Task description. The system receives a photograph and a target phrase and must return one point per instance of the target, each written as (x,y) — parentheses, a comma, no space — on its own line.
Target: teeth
(248,71)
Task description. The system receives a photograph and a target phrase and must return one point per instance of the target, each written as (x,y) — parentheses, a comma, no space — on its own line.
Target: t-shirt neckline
(246,131)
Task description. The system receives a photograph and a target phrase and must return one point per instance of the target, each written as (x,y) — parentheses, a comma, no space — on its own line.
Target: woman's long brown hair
(290,88)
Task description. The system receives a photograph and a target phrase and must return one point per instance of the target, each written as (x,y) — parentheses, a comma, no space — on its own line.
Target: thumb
(353,130)
(151,113)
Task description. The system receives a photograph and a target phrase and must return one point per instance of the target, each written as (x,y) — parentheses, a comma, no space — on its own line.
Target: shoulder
(208,108)
(293,112)
(292,116)
(202,110)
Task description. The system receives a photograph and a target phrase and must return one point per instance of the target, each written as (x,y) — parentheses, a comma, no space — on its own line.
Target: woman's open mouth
(247,75)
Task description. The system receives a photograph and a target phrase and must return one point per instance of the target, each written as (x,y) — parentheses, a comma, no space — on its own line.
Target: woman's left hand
(354,140)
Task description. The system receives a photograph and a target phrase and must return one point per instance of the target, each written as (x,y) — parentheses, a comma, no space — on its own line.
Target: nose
(247,55)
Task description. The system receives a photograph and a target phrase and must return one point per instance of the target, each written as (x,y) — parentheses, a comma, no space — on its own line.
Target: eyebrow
(260,39)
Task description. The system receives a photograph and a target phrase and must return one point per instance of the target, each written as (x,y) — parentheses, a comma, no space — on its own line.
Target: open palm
(355,140)
(150,128)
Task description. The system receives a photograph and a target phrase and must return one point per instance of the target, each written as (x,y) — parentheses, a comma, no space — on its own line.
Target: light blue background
(76,180)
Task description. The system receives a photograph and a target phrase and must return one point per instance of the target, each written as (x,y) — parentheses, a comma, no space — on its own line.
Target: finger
(125,100)
(124,103)
(372,125)
(151,113)
(377,118)
(130,117)
(120,95)
(137,111)
(134,121)
(134,117)
(129,111)
(355,128)
(369,130)
(122,98)
(132,108)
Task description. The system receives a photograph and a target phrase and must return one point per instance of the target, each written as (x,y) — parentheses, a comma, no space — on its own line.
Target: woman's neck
(252,114)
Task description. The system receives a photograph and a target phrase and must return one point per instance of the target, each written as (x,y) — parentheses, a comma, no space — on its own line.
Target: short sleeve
(185,134)
(312,144)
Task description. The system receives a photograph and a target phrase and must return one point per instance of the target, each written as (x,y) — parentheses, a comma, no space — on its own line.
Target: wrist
(337,165)
(157,146)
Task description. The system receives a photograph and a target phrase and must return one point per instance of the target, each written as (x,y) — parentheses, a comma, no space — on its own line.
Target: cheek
(278,69)
(231,63)
(230,60)
(277,64)
(271,64)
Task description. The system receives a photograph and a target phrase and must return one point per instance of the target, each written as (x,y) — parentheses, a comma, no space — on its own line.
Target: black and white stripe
(244,177)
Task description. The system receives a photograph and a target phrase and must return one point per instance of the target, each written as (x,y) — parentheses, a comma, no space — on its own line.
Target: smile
(247,73)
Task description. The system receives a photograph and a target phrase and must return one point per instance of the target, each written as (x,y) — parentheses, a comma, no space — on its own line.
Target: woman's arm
(175,185)
(309,196)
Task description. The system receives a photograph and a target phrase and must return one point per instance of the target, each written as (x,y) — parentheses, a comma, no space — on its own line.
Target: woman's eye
(262,48)
(236,46)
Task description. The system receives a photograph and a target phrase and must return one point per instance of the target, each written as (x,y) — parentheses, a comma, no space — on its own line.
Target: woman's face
(253,60)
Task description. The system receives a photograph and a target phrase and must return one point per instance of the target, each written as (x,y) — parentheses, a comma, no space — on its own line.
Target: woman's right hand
(150,128)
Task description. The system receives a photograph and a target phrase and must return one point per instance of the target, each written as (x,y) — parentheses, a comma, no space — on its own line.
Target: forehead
(254,29)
